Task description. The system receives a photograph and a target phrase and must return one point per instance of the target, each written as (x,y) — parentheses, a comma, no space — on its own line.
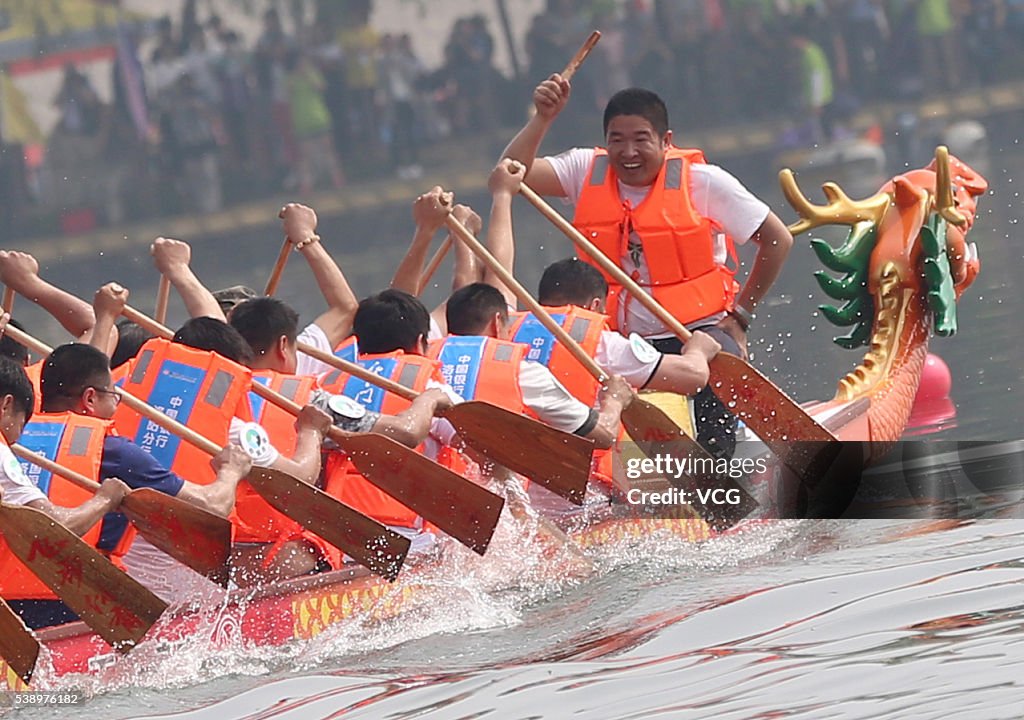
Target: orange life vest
(341,479)
(583,326)
(34,372)
(257,521)
(482,368)
(76,442)
(678,243)
(198,388)
(348,349)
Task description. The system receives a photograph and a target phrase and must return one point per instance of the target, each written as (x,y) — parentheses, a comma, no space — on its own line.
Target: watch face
(346,407)
(642,350)
(253,439)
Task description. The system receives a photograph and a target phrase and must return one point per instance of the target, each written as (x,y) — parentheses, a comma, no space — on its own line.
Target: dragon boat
(903,266)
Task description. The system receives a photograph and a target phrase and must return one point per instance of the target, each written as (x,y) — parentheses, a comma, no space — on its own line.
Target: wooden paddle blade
(18,646)
(655,433)
(558,460)
(191,535)
(114,605)
(365,540)
(803,445)
(460,507)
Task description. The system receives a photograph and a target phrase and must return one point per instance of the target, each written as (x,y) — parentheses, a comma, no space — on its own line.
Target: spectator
(400,71)
(312,123)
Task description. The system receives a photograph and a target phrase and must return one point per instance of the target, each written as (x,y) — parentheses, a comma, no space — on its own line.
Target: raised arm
(428,212)
(20,272)
(173,259)
(503,184)
(548,99)
(107,304)
(300,223)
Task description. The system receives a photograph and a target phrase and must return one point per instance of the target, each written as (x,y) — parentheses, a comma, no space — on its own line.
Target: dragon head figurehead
(903,266)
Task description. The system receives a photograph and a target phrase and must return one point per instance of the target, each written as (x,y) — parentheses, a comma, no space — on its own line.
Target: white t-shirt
(549,399)
(716,195)
(633,358)
(17,488)
(313,335)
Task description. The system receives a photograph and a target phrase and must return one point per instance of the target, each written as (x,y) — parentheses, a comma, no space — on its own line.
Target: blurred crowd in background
(200,118)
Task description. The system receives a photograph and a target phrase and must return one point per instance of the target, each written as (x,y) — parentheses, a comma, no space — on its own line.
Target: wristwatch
(742,315)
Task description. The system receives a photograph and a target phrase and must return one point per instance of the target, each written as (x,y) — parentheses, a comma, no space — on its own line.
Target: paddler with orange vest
(76,509)
(78,392)
(669,219)
(480,363)
(576,294)
(391,328)
(268,544)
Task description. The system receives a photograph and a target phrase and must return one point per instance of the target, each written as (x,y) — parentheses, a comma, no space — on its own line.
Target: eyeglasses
(115,393)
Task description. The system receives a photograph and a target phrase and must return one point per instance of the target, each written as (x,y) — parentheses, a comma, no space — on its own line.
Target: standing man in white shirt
(669,219)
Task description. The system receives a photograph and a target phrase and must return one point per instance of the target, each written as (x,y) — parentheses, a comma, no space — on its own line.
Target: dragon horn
(841,210)
(945,204)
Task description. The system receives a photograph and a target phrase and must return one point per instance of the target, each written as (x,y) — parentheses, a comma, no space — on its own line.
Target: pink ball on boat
(936,380)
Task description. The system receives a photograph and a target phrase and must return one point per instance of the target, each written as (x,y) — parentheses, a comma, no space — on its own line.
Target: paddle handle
(163,296)
(434,264)
(358,371)
(57,469)
(617,273)
(185,433)
(147,323)
(293,408)
(464,235)
(275,275)
(23,338)
(581,55)
(8,302)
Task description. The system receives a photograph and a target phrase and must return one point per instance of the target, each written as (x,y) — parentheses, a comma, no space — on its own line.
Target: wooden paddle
(114,605)
(191,535)
(18,646)
(802,444)
(8,302)
(368,542)
(365,540)
(459,507)
(558,460)
(649,426)
(275,275)
(163,296)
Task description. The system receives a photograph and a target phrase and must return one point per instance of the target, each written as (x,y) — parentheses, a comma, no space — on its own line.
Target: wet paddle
(802,444)
(459,507)
(368,542)
(163,296)
(558,460)
(648,425)
(191,535)
(18,646)
(114,605)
